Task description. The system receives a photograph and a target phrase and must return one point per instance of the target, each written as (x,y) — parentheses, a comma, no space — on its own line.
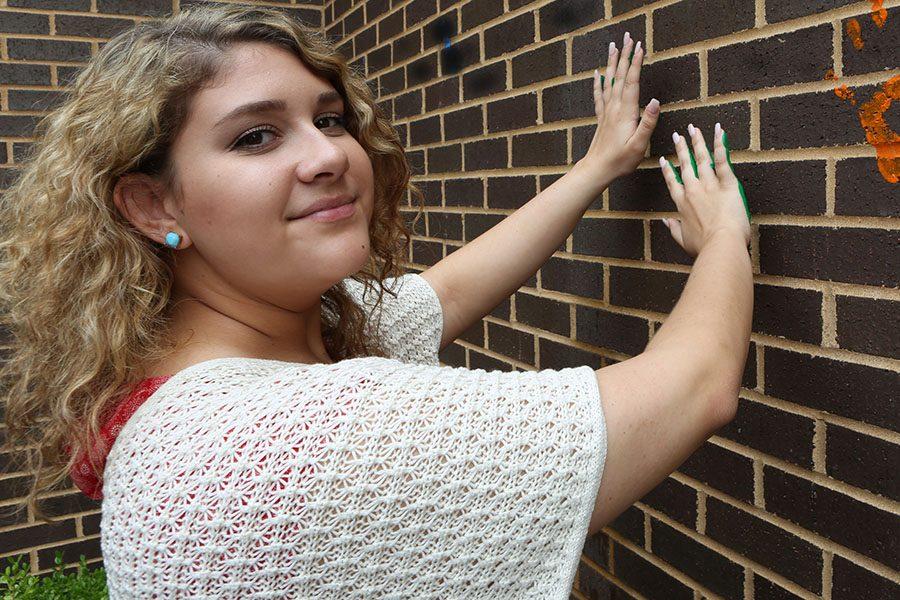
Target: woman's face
(242,177)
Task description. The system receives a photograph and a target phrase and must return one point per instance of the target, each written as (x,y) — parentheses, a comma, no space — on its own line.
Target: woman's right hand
(708,203)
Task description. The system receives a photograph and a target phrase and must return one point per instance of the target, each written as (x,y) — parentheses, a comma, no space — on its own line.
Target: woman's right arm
(661,405)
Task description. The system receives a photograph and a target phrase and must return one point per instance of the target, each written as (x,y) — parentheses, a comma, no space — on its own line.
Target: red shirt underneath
(82,474)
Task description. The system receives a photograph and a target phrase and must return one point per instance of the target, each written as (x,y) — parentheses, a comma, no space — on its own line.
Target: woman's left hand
(620,141)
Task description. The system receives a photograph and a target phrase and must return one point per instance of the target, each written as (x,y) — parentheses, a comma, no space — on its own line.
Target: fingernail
(675,137)
(691,129)
(596,73)
(638,47)
(653,105)
(612,47)
(662,162)
(718,129)
(627,37)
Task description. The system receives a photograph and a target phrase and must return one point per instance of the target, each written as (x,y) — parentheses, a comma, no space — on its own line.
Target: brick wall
(796,497)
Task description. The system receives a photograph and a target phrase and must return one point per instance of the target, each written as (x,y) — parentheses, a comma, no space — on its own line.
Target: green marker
(740,187)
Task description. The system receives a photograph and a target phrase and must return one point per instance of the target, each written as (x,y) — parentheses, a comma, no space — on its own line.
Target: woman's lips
(331,214)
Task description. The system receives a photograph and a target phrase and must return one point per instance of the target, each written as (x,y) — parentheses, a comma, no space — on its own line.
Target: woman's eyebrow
(272,105)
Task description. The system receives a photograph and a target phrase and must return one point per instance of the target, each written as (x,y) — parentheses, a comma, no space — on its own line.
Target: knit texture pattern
(367,478)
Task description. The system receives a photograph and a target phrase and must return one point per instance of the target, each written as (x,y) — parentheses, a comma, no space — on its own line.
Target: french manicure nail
(690,129)
(675,137)
(627,37)
(638,47)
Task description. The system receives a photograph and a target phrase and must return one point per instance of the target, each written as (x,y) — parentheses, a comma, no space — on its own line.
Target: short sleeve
(367,475)
(411,324)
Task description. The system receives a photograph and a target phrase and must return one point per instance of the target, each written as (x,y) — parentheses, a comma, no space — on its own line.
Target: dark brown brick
(97,27)
(596,548)
(438,31)
(643,190)
(16,22)
(408,104)
(664,248)
(18,125)
(734,117)
(464,192)
(425,252)
(847,254)
(629,524)
(881,43)
(419,10)
(464,54)
(868,325)
(354,20)
(37,100)
(408,45)
(645,288)
(539,149)
(767,544)
(445,158)
(794,57)
(474,334)
(149,8)
(592,584)
(445,225)
(622,6)
(509,35)
(58,506)
(849,580)
(376,8)
(70,552)
(477,360)
(425,131)
(486,154)
(722,469)
(431,190)
(510,192)
(84,5)
(517,345)
(390,26)
(542,313)
(517,112)
(863,461)
(26,49)
(422,70)
(676,500)
(563,16)
(678,25)
(813,120)
(19,539)
(834,386)
(416,159)
(671,80)
(573,100)
(782,10)
(861,189)
(794,187)
(545,62)
(484,81)
(778,433)
(91,523)
(379,58)
(476,224)
(614,331)
(467,122)
(21,74)
(841,519)
(648,579)
(416,226)
(441,94)
(791,313)
(453,355)
(577,277)
(393,81)
(365,40)
(590,49)
(698,561)
(476,12)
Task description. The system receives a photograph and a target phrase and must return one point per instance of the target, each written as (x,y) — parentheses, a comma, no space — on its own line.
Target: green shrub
(16,583)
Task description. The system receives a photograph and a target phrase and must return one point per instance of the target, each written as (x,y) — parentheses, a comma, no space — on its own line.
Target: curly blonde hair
(84,296)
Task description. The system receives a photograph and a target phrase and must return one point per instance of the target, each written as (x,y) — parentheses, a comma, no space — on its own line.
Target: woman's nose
(321,154)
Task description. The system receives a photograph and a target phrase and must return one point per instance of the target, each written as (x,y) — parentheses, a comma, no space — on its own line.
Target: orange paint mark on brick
(829,75)
(854,32)
(879,134)
(879,13)
(845,93)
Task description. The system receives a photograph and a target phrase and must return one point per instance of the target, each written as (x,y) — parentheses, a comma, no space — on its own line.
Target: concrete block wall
(798,497)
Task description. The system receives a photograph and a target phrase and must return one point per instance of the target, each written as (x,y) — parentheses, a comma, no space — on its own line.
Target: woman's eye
(253,134)
(338,118)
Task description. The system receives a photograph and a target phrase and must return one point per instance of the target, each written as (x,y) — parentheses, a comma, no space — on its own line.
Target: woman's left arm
(474,279)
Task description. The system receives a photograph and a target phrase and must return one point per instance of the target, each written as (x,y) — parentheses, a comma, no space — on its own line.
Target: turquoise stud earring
(172,239)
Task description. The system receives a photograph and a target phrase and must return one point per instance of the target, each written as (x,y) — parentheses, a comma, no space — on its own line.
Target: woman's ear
(140,200)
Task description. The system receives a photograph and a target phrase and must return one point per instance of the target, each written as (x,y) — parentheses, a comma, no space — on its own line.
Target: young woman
(209,330)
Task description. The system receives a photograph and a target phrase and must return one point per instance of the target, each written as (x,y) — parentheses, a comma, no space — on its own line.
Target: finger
(703,163)
(598,95)
(610,71)
(723,168)
(641,136)
(622,68)
(676,189)
(685,160)
(674,226)
(631,93)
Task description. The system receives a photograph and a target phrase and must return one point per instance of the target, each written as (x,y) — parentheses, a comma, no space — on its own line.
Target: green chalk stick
(740,187)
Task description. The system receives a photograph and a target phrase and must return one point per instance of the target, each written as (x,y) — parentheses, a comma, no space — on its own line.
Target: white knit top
(367,478)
